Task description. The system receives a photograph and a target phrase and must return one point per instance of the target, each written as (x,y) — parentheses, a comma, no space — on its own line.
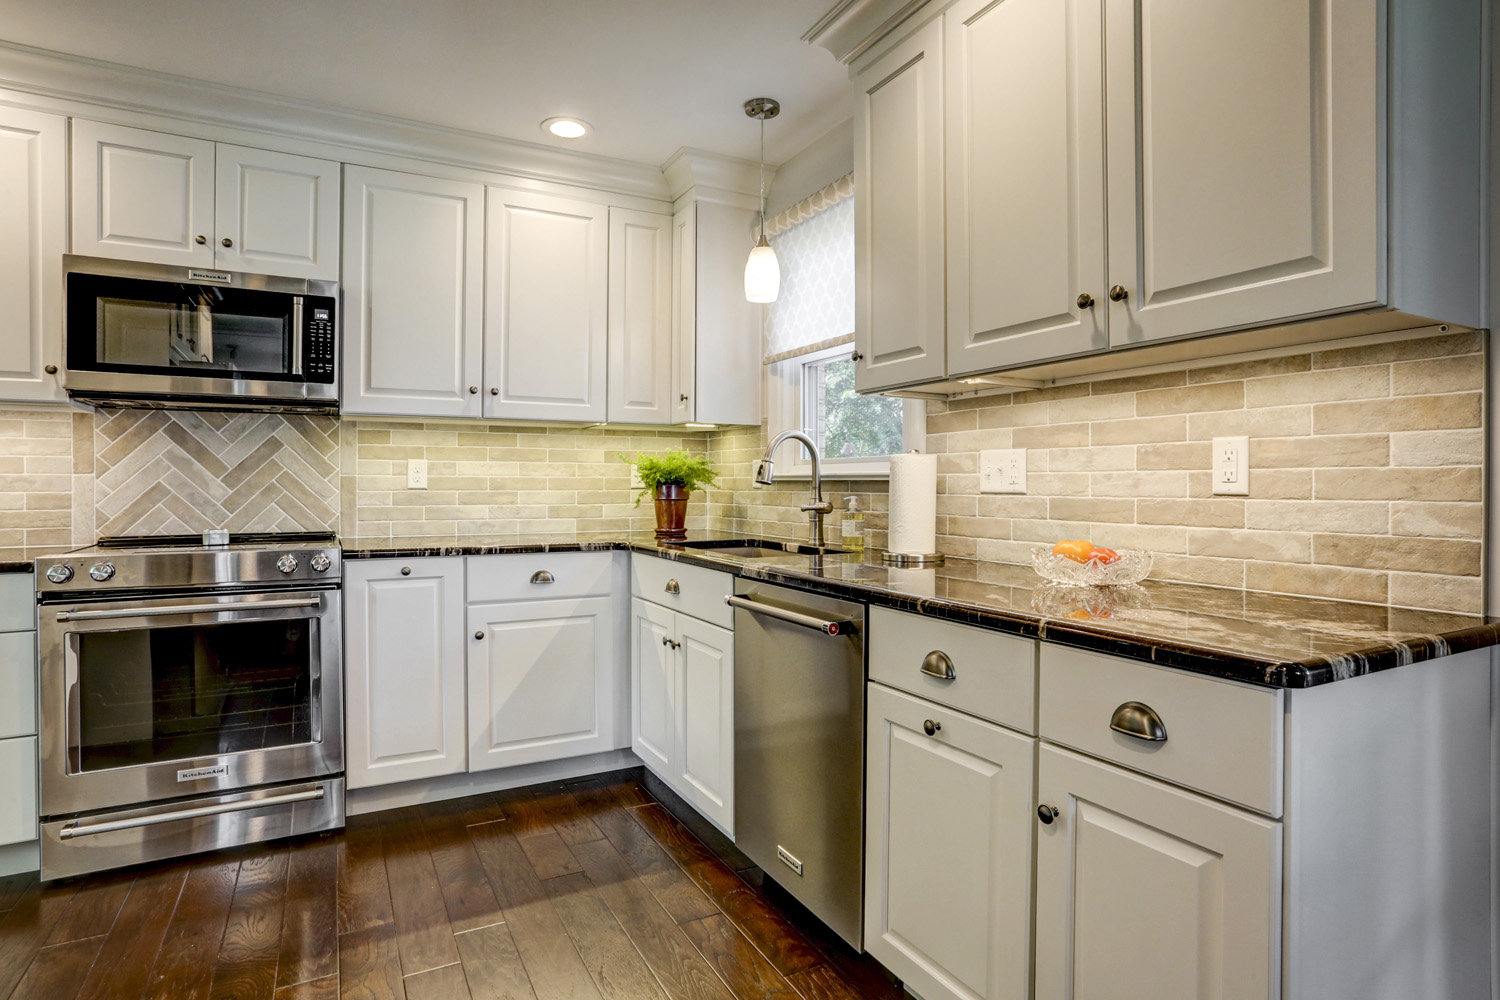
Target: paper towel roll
(913,520)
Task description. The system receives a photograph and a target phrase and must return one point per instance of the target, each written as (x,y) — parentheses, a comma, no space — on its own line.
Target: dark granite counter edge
(15,565)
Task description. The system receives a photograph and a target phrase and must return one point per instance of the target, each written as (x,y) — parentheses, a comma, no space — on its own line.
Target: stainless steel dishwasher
(799,728)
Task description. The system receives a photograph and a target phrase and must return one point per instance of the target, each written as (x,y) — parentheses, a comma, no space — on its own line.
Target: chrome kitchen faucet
(765,475)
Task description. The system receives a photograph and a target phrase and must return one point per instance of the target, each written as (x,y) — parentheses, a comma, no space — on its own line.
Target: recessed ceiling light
(566,128)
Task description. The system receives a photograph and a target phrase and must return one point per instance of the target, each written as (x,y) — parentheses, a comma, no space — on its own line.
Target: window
(809,334)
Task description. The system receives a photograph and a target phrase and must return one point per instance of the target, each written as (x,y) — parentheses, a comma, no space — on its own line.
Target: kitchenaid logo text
(222,771)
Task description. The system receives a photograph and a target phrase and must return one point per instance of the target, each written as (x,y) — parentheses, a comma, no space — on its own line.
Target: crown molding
(75,80)
(698,175)
(850,27)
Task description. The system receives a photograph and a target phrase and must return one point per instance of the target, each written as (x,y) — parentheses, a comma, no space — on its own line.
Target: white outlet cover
(1002,470)
(1229,466)
(416,474)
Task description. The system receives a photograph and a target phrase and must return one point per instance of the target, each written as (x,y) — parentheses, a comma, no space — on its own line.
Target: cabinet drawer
(692,590)
(994,674)
(17,603)
(534,576)
(1222,738)
(17,790)
(17,684)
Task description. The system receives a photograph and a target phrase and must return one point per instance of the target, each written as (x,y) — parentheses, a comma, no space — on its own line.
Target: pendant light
(762,272)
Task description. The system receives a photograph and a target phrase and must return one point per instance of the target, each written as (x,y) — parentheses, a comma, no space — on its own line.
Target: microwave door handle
(205,333)
(296,335)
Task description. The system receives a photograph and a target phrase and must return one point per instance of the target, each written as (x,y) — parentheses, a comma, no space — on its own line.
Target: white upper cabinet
(33,236)
(546,286)
(1025,168)
(716,333)
(684,314)
(1244,164)
(144,196)
(276,213)
(167,199)
(898,156)
(640,317)
(413,266)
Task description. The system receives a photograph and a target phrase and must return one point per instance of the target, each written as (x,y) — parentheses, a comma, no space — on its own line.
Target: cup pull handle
(542,576)
(940,665)
(673,587)
(1140,721)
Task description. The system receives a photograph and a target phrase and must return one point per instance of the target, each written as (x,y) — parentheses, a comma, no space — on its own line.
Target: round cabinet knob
(856,356)
(50,369)
(61,573)
(1046,814)
(99,572)
(473,390)
(406,571)
(931,728)
(1117,293)
(1085,300)
(200,240)
(227,241)
(479,635)
(682,397)
(320,563)
(494,390)
(287,563)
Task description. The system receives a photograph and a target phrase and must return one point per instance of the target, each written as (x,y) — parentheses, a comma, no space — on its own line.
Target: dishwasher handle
(842,626)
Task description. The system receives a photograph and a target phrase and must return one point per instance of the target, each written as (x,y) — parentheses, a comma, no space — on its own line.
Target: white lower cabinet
(948,849)
(682,706)
(18,666)
(1145,890)
(404,669)
(541,681)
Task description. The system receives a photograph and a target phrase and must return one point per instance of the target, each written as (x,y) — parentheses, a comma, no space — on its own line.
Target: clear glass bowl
(1133,566)
(1078,601)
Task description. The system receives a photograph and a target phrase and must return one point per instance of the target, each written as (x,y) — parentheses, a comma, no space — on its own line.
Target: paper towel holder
(910,559)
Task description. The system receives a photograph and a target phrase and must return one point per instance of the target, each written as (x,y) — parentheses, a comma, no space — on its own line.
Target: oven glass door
(185,691)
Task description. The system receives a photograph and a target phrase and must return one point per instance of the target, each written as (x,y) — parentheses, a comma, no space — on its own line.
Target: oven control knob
(61,573)
(287,563)
(320,563)
(99,572)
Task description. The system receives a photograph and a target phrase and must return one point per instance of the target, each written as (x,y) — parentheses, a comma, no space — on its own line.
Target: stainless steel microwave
(164,336)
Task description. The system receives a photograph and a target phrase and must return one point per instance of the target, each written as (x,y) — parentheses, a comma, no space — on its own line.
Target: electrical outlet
(1002,470)
(416,474)
(1231,466)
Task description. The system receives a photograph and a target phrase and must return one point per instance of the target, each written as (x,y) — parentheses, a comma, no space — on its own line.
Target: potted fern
(670,479)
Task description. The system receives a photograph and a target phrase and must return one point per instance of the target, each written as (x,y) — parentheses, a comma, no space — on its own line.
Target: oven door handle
(188,609)
(89,829)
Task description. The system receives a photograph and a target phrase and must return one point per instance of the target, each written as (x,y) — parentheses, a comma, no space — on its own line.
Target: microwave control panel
(320,345)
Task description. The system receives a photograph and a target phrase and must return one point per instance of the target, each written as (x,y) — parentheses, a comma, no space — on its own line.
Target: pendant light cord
(763,178)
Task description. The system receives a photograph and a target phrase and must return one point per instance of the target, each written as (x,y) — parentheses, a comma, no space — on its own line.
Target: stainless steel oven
(178,719)
(159,335)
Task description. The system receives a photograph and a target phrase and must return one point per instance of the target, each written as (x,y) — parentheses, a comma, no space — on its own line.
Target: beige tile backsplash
(1366,474)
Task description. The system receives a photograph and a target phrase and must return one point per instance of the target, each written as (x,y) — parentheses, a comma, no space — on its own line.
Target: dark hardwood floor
(583,890)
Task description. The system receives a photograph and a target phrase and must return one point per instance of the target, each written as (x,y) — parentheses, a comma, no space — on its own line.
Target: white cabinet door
(144,196)
(948,850)
(541,681)
(1025,167)
(898,230)
(640,317)
(546,285)
(719,359)
(18,790)
(653,668)
(33,236)
(1144,891)
(1244,148)
(704,769)
(413,266)
(276,213)
(684,327)
(404,669)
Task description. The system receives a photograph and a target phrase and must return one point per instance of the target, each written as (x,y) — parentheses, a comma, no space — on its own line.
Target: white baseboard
(16,858)
(454,786)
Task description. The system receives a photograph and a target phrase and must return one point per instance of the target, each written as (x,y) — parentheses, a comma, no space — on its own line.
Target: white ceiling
(651,76)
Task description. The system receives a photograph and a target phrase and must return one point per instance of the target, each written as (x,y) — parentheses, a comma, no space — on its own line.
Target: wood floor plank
(251,947)
(422,930)
(370,964)
(184,968)
(493,965)
(567,817)
(467,895)
(326,988)
(447,983)
(123,967)
(768,929)
(617,967)
(476,809)
(364,894)
(309,923)
(59,970)
(549,856)
(825,982)
(553,963)
(24,928)
(523,813)
(744,970)
(12,887)
(93,909)
(679,968)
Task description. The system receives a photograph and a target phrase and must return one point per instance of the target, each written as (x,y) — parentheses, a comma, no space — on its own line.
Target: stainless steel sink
(757,548)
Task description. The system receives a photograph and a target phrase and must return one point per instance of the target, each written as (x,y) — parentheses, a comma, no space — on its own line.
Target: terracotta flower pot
(671,512)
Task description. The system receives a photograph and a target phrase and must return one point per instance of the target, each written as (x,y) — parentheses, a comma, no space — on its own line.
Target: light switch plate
(1002,470)
(416,474)
(1231,466)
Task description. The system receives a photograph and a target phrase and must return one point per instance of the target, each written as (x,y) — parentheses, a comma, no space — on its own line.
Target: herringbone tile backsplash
(169,472)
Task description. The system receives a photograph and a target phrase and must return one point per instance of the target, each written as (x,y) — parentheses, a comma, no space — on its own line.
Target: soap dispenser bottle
(854,525)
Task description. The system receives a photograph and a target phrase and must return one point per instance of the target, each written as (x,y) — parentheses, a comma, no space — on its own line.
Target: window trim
(784,393)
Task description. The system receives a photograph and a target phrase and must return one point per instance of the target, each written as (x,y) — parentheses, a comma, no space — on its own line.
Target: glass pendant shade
(762,273)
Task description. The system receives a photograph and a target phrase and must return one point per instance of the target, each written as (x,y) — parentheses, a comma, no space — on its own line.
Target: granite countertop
(18,559)
(1269,639)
